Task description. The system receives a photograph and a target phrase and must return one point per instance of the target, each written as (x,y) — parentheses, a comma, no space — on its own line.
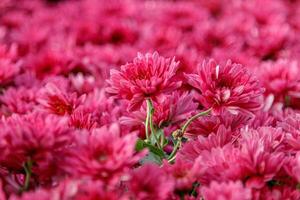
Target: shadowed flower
(226,87)
(108,154)
(9,66)
(74,189)
(228,191)
(146,77)
(40,139)
(150,182)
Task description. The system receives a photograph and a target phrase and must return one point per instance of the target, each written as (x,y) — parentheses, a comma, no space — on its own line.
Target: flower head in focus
(226,87)
(146,77)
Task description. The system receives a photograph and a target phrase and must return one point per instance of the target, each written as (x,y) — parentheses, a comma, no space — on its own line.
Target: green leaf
(141,144)
(151,158)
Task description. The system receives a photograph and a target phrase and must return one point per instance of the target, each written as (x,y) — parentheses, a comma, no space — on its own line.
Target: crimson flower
(149,182)
(10,66)
(109,155)
(146,77)
(58,101)
(231,191)
(42,139)
(226,87)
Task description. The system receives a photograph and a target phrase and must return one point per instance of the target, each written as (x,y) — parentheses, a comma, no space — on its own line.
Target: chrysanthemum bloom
(226,87)
(219,138)
(104,110)
(59,102)
(103,154)
(293,167)
(82,119)
(281,80)
(217,164)
(184,174)
(18,100)
(36,138)
(211,124)
(226,190)
(54,59)
(150,182)
(291,125)
(278,192)
(261,156)
(146,77)
(73,189)
(9,65)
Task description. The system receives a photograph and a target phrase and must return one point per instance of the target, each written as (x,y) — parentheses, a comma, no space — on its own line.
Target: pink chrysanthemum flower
(228,191)
(40,139)
(291,125)
(211,124)
(219,138)
(150,182)
(59,102)
(9,65)
(226,87)
(217,164)
(146,77)
(293,167)
(261,155)
(184,174)
(82,119)
(281,80)
(97,158)
(74,189)
(18,100)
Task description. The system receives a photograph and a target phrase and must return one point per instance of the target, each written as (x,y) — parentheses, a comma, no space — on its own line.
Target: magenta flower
(280,80)
(107,160)
(146,77)
(293,167)
(226,87)
(184,174)
(149,182)
(291,125)
(58,101)
(42,139)
(74,189)
(9,64)
(82,119)
(18,100)
(261,156)
(229,191)
(211,124)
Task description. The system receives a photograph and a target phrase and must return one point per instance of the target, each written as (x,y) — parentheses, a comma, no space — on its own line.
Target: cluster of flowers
(132,99)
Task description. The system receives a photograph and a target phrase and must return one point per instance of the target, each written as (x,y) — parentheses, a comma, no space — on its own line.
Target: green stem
(172,156)
(179,133)
(150,110)
(147,122)
(27,168)
(189,121)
